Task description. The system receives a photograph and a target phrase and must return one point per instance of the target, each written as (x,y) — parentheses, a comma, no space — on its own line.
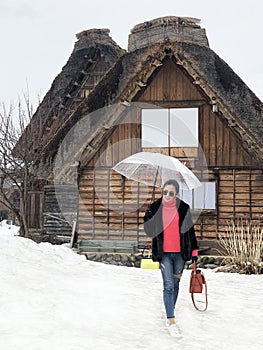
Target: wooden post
(73,233)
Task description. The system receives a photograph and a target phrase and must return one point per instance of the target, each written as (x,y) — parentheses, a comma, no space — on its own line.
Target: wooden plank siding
(35,209)
(111,207)
(124,141)
(240,196)
(220,145)
(107,199)
(170,84)
(59,209)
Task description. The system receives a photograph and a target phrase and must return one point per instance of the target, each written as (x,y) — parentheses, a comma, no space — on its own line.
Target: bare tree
(14,161)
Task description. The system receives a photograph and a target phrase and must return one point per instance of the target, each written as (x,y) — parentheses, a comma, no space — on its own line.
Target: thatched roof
(91,45)
(65,92)
(239,105)
(149,44)
(242,108)
(169,28)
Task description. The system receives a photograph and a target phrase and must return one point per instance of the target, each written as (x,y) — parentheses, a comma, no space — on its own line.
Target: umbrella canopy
(154,169)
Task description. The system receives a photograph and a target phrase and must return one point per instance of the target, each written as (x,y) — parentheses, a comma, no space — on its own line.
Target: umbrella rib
(155,170)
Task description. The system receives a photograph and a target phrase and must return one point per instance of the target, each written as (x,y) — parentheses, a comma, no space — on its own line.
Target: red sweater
(171,232)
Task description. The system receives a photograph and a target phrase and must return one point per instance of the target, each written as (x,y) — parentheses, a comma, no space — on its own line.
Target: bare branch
(15,165)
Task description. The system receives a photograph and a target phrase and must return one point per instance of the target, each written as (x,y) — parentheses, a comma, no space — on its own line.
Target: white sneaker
(174,331)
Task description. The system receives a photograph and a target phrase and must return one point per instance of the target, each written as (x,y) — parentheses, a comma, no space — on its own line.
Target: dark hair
(174,183)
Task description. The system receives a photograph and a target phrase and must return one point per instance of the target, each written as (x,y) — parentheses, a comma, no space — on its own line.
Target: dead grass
(243,243)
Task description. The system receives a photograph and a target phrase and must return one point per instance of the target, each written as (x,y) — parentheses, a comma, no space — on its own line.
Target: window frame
(146,143)
(183,193)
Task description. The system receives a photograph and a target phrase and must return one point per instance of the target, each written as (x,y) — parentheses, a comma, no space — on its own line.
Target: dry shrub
(243,243)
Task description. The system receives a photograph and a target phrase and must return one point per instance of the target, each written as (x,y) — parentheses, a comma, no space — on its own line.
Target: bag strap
(149,248)
(206,297)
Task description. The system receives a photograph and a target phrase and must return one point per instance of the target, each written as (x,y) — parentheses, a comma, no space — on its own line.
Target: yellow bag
(147,263)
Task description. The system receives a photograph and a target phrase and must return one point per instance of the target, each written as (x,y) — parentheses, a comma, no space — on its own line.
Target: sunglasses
(170,193)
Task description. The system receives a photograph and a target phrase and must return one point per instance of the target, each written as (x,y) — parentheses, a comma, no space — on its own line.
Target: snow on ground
(54,299)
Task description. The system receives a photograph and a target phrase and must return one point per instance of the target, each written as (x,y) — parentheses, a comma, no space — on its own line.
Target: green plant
(243,243)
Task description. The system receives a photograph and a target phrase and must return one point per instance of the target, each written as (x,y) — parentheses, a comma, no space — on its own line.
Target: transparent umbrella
(154,169)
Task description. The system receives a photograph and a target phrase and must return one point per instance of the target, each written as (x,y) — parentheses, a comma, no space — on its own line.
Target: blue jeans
(172,266)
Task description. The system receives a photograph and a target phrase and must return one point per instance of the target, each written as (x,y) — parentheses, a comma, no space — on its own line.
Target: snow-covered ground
(54,299)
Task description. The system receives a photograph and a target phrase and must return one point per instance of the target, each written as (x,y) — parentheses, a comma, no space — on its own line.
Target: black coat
(153,226)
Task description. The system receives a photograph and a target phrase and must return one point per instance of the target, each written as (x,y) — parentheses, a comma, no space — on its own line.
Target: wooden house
(169,82)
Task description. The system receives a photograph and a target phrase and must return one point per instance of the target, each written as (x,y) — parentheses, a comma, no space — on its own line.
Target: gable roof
(92,47)
(242,109)
(239,105)
(184,41)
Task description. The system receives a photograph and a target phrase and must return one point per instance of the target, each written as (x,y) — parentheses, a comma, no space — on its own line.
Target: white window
(176,127)
(184,127)
(154,128)
(203,197)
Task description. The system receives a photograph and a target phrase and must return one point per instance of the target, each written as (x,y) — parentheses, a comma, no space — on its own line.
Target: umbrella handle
(155,180)
(153,196)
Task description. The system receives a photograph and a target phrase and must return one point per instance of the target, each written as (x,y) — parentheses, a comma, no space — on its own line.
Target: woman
(168,221)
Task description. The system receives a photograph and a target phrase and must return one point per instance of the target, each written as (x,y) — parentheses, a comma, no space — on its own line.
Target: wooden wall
(124,141)
(239,196)
(35,209)
(59,209)
(220,145)
(170,84)
(112,207)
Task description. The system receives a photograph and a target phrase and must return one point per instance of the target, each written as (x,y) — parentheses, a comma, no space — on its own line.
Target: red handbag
(197,281)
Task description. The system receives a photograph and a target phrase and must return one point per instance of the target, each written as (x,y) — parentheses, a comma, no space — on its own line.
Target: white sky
(37,36)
